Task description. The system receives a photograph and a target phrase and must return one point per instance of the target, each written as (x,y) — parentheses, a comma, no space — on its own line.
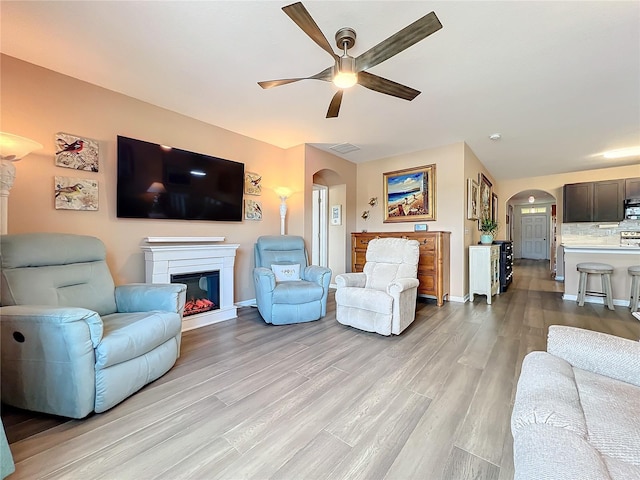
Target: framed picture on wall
(252,184)
(73,193)
(252,209)
(485,196)
(473,195)
(409,195)
(494,207)
(80,153)
(336,215)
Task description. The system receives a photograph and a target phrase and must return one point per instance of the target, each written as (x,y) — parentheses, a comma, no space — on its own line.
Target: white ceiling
(560,80)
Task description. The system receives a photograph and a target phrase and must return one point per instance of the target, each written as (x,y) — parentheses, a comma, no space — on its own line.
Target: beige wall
(450,201)
(37,103)
(334,171)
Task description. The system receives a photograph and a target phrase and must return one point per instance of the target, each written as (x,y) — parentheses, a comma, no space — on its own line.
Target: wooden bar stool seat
(634,271)
(594,268)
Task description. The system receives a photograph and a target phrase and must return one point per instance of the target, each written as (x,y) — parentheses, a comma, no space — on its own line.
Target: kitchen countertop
(601,249)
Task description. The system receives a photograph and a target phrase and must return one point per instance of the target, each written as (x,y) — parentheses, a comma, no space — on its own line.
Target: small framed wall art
(473,195)
(336,215)
(252,209)
(494,207)
(252,184)
(485,197)
(76,152)
(76,193)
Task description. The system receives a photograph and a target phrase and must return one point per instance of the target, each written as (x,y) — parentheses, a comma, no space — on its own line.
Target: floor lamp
(12,149)
(283,193)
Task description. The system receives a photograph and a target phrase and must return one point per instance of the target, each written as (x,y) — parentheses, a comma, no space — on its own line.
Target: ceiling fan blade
(389,87)
(396,43)
(326,75)
(334,106)
(299,14)
(277,83)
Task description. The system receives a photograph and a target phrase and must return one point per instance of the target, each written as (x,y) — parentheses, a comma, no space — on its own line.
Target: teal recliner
(288,290)
(72,342)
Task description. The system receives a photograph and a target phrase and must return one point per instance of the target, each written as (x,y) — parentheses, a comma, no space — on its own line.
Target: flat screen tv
(155,181)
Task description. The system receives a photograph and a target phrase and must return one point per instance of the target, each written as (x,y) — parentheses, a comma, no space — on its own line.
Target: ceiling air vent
(344,148)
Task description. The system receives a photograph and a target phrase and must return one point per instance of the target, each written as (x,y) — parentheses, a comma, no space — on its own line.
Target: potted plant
(488,227)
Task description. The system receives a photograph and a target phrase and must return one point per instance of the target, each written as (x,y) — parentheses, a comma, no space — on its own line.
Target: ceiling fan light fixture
(345,79)
(345,75)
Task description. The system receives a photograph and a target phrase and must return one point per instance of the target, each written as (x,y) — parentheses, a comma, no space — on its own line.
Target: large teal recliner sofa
(71,341)
(301,300)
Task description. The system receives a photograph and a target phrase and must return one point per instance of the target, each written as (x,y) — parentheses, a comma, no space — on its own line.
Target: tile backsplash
(592,233)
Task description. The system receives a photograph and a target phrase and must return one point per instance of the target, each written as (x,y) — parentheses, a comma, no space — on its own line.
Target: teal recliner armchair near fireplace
(288,290)
(73,342)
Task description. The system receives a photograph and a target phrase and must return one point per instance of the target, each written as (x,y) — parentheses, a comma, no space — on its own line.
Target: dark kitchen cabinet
(594,201)
(578,202)
(632,188)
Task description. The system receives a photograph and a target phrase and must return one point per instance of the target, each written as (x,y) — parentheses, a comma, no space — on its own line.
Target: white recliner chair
(382,298)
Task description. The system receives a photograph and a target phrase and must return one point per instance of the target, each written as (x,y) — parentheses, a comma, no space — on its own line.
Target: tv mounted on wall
(155,181)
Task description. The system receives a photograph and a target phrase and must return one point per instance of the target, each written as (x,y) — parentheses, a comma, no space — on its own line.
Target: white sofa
(577,410)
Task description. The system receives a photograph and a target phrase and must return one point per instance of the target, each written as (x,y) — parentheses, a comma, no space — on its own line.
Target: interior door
(534,236)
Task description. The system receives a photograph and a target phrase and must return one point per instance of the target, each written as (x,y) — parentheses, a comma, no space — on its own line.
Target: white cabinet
(484,270)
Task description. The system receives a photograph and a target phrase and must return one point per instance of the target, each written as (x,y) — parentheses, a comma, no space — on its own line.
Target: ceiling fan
(347,70)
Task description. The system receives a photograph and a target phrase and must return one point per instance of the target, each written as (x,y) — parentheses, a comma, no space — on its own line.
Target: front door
(534,237)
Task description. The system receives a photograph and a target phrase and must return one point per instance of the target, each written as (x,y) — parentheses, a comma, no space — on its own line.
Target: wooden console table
(433,266)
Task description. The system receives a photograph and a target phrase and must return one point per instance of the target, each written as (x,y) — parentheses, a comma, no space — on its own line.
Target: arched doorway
(532,225)
(328,234)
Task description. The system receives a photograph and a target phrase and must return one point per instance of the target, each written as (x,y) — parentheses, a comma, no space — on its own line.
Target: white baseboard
(589,299)
(247,303)
(458,299)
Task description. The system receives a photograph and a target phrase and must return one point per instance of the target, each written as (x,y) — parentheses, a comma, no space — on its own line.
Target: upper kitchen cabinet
(594,201)
(578,202)
(632,188)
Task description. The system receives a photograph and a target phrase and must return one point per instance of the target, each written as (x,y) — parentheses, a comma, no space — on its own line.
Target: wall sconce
(365,214)
(373,201)
(531,199)
(283,193)
(12,149)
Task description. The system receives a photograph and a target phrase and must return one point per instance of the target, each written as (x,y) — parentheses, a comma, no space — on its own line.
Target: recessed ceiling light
(495,137)
(623,152)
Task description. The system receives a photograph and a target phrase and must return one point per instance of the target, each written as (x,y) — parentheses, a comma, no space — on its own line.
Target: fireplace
(203,291)
(204,265)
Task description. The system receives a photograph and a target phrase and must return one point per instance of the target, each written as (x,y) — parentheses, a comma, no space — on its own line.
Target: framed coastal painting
(473,195)
(409,195)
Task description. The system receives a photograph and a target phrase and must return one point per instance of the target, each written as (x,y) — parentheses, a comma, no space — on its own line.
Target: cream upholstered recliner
(382,298)
(71,341)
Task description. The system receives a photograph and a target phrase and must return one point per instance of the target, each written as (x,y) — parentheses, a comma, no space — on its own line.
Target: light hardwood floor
(320,400)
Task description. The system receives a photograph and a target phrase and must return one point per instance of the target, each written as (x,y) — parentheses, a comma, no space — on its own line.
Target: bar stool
(634,271)
(594,268)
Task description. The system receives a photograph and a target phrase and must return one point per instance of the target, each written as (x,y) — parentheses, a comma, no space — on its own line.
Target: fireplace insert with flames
(203,291)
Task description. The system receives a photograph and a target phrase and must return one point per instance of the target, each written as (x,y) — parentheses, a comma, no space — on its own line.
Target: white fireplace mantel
(166,256)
